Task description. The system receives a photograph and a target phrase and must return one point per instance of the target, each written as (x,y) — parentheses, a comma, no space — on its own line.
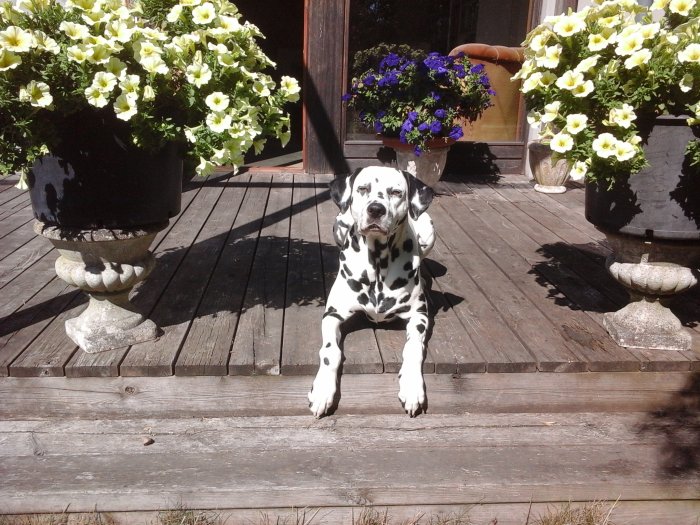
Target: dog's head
(380,197)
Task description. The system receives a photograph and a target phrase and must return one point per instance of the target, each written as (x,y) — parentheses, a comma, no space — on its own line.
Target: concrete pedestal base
(105,264)
(542,188)
(550,176)
(653,272)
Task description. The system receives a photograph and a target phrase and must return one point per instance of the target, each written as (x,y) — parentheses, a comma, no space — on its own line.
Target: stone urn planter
(652,222)
(550,177)
(426,167)
(100,202)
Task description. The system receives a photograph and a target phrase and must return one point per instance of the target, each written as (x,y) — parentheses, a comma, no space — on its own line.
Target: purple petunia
(391,60)
(440,113)
(346,97)
(417,151)
(435,127)
(369,80)
(424,126)
(407,126)
(412,116)
(478,68)
(456,133)
(378,126)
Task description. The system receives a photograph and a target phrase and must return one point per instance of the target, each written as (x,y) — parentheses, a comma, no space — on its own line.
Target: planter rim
(436,143)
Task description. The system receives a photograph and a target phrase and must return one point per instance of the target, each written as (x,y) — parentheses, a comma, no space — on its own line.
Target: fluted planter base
(106,265)
(544,188)
(653,272)
(550,176)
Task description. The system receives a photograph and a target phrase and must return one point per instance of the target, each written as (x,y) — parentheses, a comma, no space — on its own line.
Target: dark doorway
(282,23)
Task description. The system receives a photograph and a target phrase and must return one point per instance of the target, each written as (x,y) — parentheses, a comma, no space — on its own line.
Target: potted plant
(413,100)
(99,102)
(615,88)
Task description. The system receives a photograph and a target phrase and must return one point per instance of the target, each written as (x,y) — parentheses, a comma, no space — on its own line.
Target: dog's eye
(396,193)
(362,189)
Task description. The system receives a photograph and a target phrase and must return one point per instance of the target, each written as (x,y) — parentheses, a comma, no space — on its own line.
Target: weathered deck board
(516,281)
(258,342)
(207,347)
(384,460)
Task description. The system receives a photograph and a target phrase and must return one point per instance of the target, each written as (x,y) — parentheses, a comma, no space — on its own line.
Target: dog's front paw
(322,395)
(411,392)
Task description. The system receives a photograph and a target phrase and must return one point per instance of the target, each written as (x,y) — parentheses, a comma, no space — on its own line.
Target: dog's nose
(376,210)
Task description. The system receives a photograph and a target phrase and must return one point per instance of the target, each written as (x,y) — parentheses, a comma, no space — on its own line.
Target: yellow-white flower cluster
(129,60)
(587,73)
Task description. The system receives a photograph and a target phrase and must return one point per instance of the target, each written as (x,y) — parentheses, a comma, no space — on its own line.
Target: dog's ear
(341,190)
(420,195)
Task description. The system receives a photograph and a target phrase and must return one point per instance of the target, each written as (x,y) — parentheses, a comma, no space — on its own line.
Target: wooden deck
(517,287)
(517,284)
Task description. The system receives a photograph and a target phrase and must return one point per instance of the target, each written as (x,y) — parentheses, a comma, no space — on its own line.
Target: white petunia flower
(96,97)
(98,54)
(549,57)
(36,93)
(46,43)
(649,31)
(551,111)
(531,82)
(119,30)
(597,42)
(77,53)
(16,39)
(205,167)
(198,74)
(174,14)
(261,88)
(130,84)
(125,107)
(290,88)
(681,7)
(604,145)
(576,122)
(686,83)
(567,26)
(690,54)
(229,24)
(218,122)
(561,142)
(583,90)
(624,150)
(622,116)
(217,101)
(104,81)
(578,171)
(629,44)
(570,80)
(116,67)
(9,60)
(74,31)
(155,65)
(148,94)
(638,59)
(587,64)
(204,14)
(659,4)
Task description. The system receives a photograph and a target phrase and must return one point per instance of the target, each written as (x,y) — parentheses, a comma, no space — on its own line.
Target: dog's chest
(384,277)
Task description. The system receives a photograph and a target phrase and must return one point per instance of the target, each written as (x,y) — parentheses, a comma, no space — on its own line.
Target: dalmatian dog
(383,233)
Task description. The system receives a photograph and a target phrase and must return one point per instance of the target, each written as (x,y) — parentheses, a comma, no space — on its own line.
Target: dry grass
(595,513)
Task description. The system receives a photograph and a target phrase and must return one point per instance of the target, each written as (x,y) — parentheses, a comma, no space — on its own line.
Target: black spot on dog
(343,224)
(363,299)
(395,252)
(328,344)
(400,282)
(342,255)
(326,361)
(332,312)
(347,270)
(422,309)
(402,309)
(408,245)
(354,285)
(408,267)
(380,286)
(364,278)
(380,195)
(421,297)
(420,328)
(342,274)
(416,280)
(384,262)
(412,273)
(405,298)
(388,304)
(355,245)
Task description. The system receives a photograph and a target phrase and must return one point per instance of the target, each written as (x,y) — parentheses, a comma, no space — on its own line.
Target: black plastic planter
(660,202)
(97,179)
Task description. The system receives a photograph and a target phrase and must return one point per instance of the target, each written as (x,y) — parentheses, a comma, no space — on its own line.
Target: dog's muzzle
(376,217)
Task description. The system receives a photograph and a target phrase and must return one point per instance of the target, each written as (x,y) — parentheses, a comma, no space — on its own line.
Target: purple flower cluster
(420,99)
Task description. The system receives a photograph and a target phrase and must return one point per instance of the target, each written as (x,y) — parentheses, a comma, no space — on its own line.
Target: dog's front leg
(322,394)
(411,386)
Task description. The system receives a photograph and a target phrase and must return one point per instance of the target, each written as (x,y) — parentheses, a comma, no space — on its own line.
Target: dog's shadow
(437,301)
